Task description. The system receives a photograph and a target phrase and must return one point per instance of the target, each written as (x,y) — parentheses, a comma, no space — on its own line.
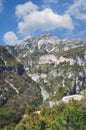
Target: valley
(58,65)
(41,73)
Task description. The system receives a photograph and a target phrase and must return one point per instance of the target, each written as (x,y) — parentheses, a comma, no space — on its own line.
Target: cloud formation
(78,9)
(24,9)
(10,38)
(31,19)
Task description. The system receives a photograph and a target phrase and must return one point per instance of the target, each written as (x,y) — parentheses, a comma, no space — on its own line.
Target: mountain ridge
(46,58)
(41,71)
(50,60)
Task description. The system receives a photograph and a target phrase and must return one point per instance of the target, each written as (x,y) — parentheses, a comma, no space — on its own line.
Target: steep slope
(16,88)
(58,65)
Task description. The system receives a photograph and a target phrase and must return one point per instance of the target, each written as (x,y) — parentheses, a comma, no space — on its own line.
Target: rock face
(58,65)
(66,99)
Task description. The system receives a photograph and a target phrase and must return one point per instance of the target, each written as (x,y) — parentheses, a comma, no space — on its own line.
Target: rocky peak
(45,54)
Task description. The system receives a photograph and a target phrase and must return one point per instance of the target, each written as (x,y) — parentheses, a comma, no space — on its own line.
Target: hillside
(58,65)
(36,77)
(16,88)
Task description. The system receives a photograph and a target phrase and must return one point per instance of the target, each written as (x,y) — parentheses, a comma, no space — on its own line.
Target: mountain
(57,65)
(40,68)
(16,88)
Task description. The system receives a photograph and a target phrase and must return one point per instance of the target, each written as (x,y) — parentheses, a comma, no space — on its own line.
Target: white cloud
(24,9)
(10,38)
(44,20)
(78,9)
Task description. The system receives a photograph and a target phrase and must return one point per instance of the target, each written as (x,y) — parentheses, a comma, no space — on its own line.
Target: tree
(20,69)
(8,117)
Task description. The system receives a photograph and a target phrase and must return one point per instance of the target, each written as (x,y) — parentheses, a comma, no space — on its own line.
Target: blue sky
(20,19)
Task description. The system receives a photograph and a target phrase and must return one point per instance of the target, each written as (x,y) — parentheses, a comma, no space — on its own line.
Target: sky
(20,19)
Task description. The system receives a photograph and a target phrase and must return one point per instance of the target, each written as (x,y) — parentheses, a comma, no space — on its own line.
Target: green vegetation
(17,90)
(79,51)
(64,73)
(71,116)
(44,68)
(9,117)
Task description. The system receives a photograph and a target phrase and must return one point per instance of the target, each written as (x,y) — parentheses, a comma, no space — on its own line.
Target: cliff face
(16,88)
(58,65)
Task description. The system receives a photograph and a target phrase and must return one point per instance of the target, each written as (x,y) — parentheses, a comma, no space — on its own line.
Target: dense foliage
(8,117)
(71,116)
